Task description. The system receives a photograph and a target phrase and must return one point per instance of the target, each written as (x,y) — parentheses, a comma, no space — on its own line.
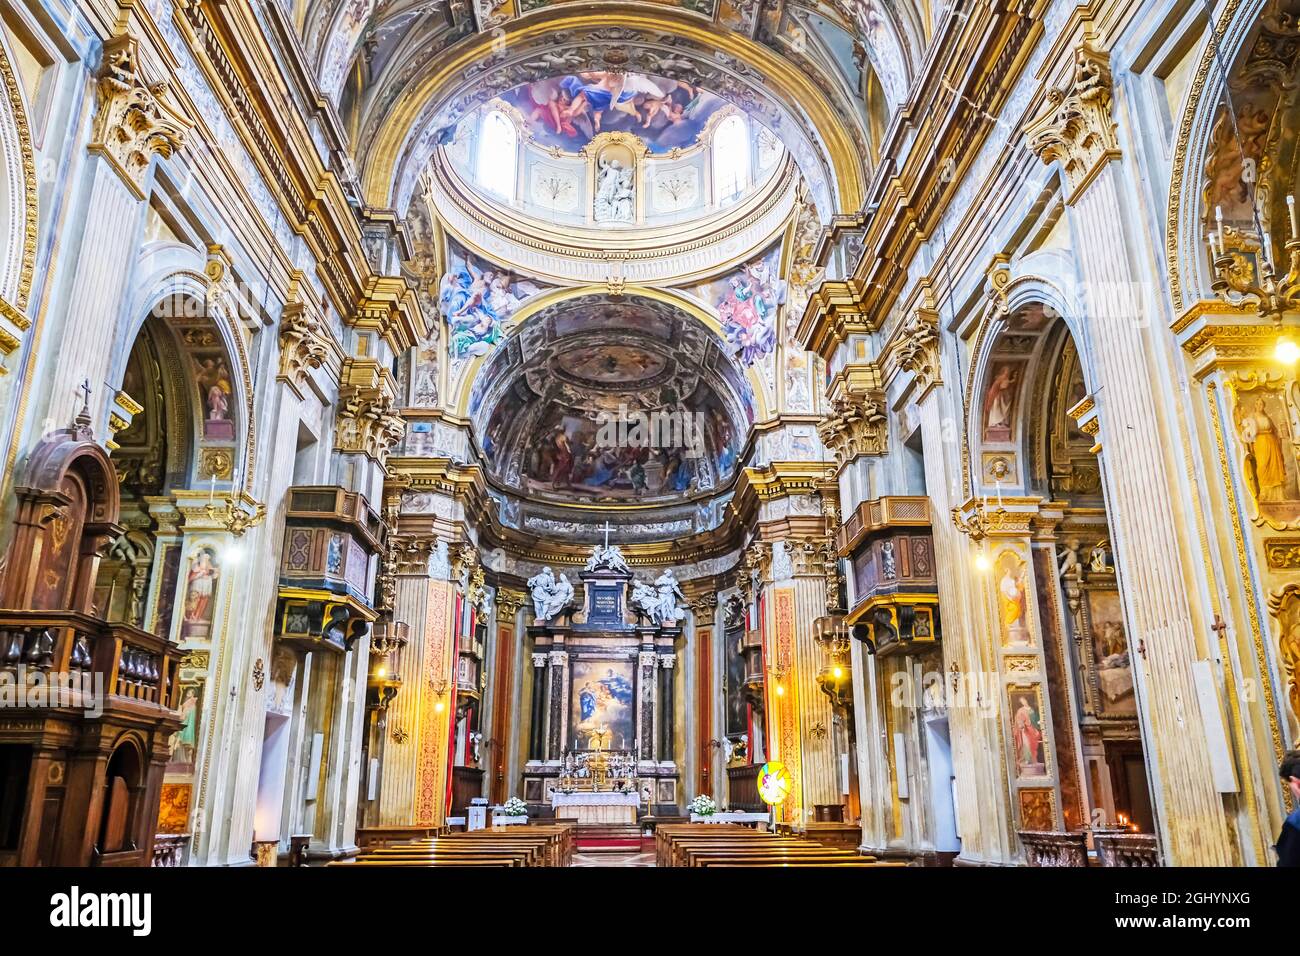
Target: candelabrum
(1276,292)
(232,513)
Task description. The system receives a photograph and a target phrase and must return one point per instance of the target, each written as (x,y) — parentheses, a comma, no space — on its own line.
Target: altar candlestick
(1218,218)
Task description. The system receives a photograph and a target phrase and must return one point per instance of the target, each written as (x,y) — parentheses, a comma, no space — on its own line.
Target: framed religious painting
(602,707)
(1028,737)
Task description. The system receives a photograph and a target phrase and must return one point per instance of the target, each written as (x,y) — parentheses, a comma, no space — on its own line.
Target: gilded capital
(857,424)
(132,122)
(1076,127)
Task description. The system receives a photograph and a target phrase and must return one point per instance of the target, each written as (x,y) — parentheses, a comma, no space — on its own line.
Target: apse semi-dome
(603,399)
(613,151)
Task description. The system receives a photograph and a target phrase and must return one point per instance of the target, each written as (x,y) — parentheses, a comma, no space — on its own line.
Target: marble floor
(619,858)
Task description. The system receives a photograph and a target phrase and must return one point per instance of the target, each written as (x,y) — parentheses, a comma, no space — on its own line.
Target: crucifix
(607,529)
(85,390)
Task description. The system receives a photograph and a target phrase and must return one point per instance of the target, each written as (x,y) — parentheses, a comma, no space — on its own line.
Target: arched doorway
(1072,701)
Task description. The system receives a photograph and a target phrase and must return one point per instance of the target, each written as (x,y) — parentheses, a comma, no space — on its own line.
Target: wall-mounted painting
(200,595)
(602,702)
(1269,463)
(182,746)
(1111,654)
(213,378)
(567,112)
(1028,742)
(1000,401)
(1012,576)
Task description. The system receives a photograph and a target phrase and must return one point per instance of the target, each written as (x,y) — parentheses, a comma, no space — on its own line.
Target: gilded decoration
(14,312)
(1076,128)
(1264,414)
(857,424)
(917,348)
(1284,605)
(368,422)
(304,340)
(133,123)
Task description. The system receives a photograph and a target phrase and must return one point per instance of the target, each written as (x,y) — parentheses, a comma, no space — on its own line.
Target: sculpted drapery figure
(613,192)
(550,596)
(658,602)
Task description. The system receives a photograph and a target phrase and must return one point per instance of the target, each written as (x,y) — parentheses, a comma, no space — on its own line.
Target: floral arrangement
(514,807)
(703,806)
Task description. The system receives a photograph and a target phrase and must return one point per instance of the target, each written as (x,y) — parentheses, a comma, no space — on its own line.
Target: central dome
(601,398)
(613,151)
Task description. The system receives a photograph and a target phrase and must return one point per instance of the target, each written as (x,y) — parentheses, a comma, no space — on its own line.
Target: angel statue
(645,599)
(550,597)
(669,592)
(608,556)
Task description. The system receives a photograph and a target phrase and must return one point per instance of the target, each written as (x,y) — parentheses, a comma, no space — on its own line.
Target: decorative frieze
(857,424)
(1076,128)
(132,122)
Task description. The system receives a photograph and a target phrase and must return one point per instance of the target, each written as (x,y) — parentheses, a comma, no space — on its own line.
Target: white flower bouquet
(703,806)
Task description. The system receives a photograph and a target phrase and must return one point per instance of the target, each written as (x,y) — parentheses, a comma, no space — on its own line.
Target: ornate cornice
(833,313)
(390,307)
(1008,518)
(857,424)
(132,122)
(1076,127)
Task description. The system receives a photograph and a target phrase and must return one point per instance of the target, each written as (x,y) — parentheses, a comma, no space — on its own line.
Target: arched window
(498,154)
(731,160)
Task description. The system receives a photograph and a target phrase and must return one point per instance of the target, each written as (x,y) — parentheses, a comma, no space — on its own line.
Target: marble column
(556,729)
(646,663)
(1167,631)
(537,726)
(666,712)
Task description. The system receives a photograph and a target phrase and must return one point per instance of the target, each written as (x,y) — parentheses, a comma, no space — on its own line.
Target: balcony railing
(69,648)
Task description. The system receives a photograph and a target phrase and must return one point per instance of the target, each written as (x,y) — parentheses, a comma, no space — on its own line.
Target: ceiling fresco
(566,112)
(600,399)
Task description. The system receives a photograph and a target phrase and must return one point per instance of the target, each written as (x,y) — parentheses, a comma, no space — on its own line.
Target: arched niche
(68,511)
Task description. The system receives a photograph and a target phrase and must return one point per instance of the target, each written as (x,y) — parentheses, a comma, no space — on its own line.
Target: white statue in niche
(614,192)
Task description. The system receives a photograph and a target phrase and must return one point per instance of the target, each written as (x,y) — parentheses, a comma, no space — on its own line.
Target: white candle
(1218,217)
(1290,208)
(212,487)
(1268,250)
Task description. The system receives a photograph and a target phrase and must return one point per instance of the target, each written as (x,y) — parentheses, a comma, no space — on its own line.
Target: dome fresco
(603,399)
(567,112)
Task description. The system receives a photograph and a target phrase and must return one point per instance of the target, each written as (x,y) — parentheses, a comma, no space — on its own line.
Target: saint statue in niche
(614,193)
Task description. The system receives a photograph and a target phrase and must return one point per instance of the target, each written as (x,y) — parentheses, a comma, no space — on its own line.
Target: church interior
(679,433)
